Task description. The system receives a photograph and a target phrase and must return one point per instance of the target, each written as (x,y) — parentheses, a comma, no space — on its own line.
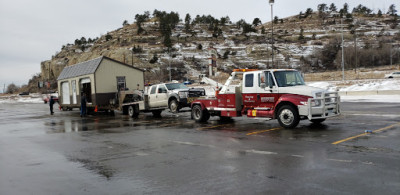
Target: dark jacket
(51,101)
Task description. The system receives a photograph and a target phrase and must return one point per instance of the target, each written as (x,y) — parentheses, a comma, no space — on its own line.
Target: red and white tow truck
(274,94)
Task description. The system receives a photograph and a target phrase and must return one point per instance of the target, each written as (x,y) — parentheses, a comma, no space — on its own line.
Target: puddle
(100,169)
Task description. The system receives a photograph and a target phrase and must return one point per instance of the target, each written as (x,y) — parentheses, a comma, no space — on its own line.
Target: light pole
(271,2)
(170,77)
(341,23)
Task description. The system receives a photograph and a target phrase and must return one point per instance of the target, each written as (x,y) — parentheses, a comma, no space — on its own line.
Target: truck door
(267,91)
(162,96)
(249,91)
(152,96)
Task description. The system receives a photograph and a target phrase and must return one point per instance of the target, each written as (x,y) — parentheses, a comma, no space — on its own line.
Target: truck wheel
(288,117)
(200,115)
(317,121)
(133,111)
(174,106)
(157,113)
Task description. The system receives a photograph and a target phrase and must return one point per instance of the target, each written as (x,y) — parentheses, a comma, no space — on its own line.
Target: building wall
(107,73)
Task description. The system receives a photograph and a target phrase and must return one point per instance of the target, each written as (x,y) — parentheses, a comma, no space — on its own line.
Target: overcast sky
(32,31)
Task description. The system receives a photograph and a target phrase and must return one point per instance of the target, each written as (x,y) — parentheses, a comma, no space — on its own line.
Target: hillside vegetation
(309,41)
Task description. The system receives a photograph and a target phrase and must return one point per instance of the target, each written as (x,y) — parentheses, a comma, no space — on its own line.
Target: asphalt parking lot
(356,153)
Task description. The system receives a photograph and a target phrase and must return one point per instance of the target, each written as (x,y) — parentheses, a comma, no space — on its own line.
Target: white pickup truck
(173,96)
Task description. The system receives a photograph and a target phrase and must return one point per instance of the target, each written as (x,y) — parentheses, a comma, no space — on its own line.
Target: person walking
(51,103)
(83,105)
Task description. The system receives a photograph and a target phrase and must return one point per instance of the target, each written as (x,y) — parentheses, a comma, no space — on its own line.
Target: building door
(65,93)
(74,101)
(86,88)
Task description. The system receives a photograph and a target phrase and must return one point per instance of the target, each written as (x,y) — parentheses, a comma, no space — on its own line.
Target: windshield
(172,86)
(288,78)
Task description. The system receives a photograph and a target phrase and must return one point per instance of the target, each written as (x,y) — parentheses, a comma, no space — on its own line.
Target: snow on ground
(371,98)
(34,98)
(359,85)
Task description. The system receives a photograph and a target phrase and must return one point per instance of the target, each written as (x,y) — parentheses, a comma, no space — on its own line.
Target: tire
(288,117)
(45,102)
(173,106)
(317,121)
(133,111)
(200,115)
(157,113)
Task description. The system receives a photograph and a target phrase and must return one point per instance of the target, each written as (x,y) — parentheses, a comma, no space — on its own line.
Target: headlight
(314,103)
(318,95)
(183,94)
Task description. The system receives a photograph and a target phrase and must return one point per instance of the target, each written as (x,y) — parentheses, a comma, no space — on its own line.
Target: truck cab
(275,94)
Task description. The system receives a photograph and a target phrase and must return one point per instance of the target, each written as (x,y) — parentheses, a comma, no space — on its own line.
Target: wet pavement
(66,154)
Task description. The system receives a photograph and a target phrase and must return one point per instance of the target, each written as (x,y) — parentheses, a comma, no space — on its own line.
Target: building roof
(86,68)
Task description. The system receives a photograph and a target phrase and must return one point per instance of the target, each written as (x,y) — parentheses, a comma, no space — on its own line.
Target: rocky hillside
(299,42)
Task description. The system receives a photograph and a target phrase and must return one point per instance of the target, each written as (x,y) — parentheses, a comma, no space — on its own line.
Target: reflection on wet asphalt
(103,154)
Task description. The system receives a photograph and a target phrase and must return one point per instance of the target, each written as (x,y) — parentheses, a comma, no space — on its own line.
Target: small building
(100,79)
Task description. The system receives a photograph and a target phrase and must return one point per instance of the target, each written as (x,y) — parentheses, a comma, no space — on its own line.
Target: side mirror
(263,85)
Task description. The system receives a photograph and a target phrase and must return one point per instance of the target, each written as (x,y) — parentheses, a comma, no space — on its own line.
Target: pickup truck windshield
(172,86)
(288,78)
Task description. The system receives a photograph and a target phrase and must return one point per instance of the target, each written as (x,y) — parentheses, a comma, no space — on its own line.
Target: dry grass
(360,74)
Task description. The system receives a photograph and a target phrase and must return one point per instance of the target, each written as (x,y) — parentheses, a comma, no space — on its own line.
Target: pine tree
(188,20)
(332,7)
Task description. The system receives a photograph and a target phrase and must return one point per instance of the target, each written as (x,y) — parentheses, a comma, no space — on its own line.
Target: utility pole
(132,56)
(341,23)
(271,2)
(170,77)
(355,48)
(391,57)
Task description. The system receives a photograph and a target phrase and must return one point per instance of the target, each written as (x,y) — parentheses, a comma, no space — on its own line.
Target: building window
(121,83)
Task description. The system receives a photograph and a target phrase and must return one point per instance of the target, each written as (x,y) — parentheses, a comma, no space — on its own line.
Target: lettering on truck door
(249,90)
(267,91)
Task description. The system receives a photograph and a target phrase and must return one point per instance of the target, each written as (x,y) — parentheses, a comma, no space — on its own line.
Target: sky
(31,31)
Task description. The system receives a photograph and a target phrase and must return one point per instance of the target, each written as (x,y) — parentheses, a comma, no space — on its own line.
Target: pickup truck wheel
(157,113)
(200,115)
(133,111)
(288,117)
(174,106)
(317,121)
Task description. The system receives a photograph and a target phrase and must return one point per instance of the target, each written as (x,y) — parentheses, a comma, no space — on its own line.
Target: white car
(392,75)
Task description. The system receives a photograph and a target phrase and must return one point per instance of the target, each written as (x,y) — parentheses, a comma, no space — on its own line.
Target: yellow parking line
(263,131)
(363,134)
(211,127)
